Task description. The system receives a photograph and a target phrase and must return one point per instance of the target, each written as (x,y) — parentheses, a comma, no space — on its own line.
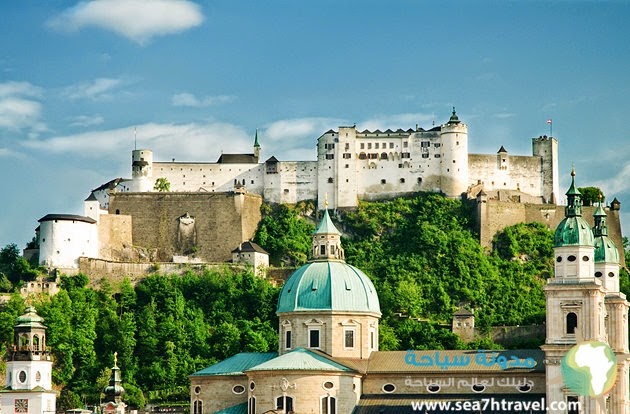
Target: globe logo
(589,368)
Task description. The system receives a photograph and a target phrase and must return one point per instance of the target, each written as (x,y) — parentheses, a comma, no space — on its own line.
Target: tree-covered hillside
(421,252)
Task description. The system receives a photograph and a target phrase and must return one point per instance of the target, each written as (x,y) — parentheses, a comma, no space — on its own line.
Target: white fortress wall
(292,182)
(209,176)
(518,172)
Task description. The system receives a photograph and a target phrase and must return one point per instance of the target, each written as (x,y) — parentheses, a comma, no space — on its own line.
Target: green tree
(162,185)
(591,195)
(285,234)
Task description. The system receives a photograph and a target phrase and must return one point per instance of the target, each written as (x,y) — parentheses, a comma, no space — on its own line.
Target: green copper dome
(329,285)
(605,250)
(573,230)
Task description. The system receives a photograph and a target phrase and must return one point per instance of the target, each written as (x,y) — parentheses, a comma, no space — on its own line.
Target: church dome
(328,285)
(605,250)
(30,319)
(573,231)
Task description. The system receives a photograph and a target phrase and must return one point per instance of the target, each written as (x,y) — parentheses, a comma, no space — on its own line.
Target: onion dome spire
(453,119)
(574,199)
(573,230)
(114,391)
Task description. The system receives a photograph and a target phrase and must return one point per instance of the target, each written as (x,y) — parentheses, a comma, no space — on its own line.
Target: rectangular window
(437,145)
(371,339)
(437,155)
(347,155)
(329,146)
(425,155)
(376,145)
(362,145)
(348,338)
(330,180)
(372,156)
(425,144)
(330,156)
(347,146)
(287,340)
(405,144)
(313,338)
(391,145)
(405,155)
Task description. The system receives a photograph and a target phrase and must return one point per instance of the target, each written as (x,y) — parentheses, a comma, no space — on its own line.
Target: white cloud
(191,142)
(295,139)
(97,89)
(86,121)
(8,89)
(18,109)
(138,20)
(188,99)
(619,183)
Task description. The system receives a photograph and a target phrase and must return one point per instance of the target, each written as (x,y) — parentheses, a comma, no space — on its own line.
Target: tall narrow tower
(454,159)
(256,147)
(607,271)
(29,369)
(113,403)
(575,299)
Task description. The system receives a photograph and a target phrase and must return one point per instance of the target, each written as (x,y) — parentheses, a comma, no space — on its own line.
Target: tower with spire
(29,369)
(584,302)
(256,147)
(328,304)
(113,403)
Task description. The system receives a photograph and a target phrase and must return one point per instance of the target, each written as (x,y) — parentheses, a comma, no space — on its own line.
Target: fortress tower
(142,170)
(454,141)
(547,148)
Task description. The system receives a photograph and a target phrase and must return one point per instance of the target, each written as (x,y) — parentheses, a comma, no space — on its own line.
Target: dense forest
(421,252)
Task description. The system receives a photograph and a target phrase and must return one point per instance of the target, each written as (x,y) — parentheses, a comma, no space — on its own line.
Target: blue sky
(198,78)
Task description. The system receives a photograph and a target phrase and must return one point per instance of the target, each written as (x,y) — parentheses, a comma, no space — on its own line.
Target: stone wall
(205,225)
(495,215)
(114,236)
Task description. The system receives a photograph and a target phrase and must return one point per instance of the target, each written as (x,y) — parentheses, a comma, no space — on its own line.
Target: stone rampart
(495,215)
(204,225)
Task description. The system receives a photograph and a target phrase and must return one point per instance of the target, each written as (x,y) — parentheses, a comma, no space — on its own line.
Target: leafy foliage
(162,185)
(14,268)
(590,195)
(421,252)
(285,235)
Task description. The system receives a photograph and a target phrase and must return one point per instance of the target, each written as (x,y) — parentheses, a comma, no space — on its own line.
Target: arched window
(24,341)
(198,407)
(251,405)
(284,404)
(35,343)
(329,405)
(571,322)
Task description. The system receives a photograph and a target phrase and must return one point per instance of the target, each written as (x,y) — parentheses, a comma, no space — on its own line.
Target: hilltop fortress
(355,165)
(212,208)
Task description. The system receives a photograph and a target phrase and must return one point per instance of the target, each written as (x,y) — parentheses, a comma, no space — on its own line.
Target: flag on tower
(549,121)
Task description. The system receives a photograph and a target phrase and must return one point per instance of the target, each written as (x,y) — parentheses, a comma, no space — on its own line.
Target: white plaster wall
(62,242)
(31,368)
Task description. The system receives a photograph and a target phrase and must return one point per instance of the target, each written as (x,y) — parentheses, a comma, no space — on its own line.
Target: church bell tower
(29,369)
